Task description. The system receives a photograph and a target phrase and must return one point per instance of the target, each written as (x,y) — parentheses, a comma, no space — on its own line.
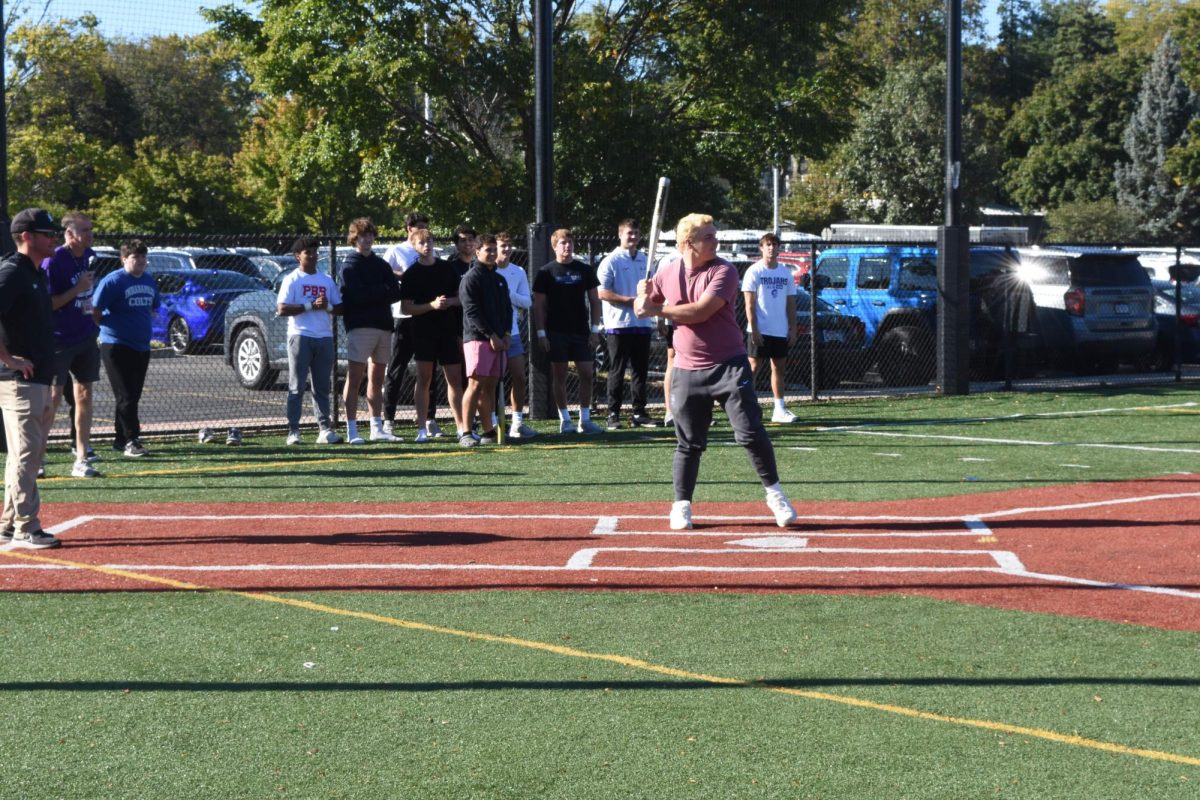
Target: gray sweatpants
(692,394)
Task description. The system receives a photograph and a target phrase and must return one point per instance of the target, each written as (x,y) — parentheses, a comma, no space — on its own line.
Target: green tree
(165,189)
(1165,106)
(1098,221)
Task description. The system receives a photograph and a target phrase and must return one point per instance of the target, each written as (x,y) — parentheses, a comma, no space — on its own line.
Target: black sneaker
(614,422)
(36,540)
(234,438)
(643,421)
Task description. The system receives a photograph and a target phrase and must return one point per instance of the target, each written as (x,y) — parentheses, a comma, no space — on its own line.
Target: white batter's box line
(1005,562)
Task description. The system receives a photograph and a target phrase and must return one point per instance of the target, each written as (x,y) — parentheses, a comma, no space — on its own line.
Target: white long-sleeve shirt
(518,292)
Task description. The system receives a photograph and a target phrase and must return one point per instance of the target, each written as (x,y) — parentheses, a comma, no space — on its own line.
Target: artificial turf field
(312,622)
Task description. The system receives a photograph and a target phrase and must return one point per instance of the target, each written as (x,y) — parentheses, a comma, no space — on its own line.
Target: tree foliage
(1165,107)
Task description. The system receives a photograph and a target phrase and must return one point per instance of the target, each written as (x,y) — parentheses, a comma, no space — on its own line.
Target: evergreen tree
(1165,105)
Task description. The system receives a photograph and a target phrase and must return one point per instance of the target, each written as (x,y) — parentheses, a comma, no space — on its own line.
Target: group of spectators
(462,314)
(57,325)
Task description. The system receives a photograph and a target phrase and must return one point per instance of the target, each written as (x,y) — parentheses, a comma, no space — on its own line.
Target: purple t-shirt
(73,322)
(716,340)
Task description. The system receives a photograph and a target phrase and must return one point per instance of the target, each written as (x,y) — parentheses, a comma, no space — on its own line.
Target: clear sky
(136,19)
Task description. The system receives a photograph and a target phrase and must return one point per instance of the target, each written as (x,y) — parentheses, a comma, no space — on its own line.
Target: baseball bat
(660,210)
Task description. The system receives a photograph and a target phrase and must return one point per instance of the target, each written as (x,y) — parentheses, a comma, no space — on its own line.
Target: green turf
(158,695)
(163,694)
(815,463)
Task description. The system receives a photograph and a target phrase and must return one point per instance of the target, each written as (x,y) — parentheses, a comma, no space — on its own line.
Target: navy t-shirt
(566,287)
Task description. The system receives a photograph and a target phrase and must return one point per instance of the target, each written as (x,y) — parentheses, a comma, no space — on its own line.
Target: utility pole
(541,405)
(953,353)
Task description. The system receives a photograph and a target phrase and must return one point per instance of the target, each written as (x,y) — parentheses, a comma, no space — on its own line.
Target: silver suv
(1094,309)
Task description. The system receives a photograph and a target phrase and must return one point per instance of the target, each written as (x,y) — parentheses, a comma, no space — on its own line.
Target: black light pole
(541,404)
(953,366)
(6,241)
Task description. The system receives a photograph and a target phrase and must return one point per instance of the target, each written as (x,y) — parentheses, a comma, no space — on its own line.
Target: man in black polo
(26,374)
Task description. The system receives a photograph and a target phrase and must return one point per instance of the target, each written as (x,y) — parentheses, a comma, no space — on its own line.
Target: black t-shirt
(566,287)
(424,283)
(26,318)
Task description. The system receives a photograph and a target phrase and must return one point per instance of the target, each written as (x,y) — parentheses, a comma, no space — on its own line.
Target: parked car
(163,258)
(1094,309)
(840,340)
(194,301)
(1185,327)
(270,267)
(1158,263)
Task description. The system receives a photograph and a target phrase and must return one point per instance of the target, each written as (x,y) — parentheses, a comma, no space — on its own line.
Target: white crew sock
(351,429)
(376,423)
(775,489)
(779,404)
(518,417)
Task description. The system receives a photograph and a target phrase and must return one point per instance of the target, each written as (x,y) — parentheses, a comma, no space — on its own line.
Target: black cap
(34,219)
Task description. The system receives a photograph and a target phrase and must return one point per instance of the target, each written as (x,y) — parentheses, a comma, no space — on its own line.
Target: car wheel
(906,356)
(180,336)
(250,360)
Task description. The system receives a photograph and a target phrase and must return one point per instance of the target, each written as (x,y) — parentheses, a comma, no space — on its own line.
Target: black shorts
(446,351)
(771,347)
(81,360)
(570,347)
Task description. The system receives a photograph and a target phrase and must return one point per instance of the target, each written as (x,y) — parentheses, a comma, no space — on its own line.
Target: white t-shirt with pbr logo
(772,287)
(298,288)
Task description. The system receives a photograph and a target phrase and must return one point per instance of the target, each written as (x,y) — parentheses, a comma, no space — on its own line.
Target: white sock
(518,417)
(774,488)
(351,429)
(376,423)
(779,404)
(585,414)
(495,419)
(564,414)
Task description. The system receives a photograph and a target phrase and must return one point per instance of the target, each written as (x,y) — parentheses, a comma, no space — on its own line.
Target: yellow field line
(626,661)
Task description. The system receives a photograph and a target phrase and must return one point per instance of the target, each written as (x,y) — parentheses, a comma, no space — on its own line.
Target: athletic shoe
(389,426)
(206,436)
(134,449)
(293,437)
(614,422)
(356,440)
(669,421)
(681,515)
(566,426)
(589,428)
(432,428)
(488,437)
(643,421)
(36,540)
(519,430)
(782,415)
(467,440)
(383,435)
(328,436)
(781,507)
(422,437)
(83,469)
(234,437)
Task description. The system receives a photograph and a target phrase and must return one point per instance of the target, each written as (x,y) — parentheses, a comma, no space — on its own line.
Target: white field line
(585,559)
(1023,442)
(1005,417)
(717,518)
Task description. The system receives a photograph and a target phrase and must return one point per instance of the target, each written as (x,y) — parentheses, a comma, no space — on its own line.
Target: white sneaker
(383,435)
(519,430)
(433,429)
(567,426)
(781,507)
(293,437)
(357,440)
(681,515)
(328,436)
(83,469)
(782,415)
(389,426)
(422,437)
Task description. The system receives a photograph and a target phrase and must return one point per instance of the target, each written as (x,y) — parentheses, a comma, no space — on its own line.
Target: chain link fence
(1039,319)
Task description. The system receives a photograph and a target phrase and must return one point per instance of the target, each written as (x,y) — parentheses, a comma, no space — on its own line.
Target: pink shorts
(482,361)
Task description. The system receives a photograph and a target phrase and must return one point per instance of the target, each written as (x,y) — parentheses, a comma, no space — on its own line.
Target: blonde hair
(688,225)
(559,235)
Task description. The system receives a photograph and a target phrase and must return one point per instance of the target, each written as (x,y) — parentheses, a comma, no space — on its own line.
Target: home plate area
(1123,552)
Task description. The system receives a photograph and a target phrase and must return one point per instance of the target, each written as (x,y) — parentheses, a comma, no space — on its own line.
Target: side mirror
(807,281)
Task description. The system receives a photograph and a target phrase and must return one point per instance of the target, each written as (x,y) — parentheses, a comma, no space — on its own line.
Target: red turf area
(1034,549)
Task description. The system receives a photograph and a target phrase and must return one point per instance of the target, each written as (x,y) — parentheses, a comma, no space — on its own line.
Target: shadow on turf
(578,686)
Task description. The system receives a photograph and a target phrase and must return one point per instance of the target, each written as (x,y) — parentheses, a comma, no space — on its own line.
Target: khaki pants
(25,407)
